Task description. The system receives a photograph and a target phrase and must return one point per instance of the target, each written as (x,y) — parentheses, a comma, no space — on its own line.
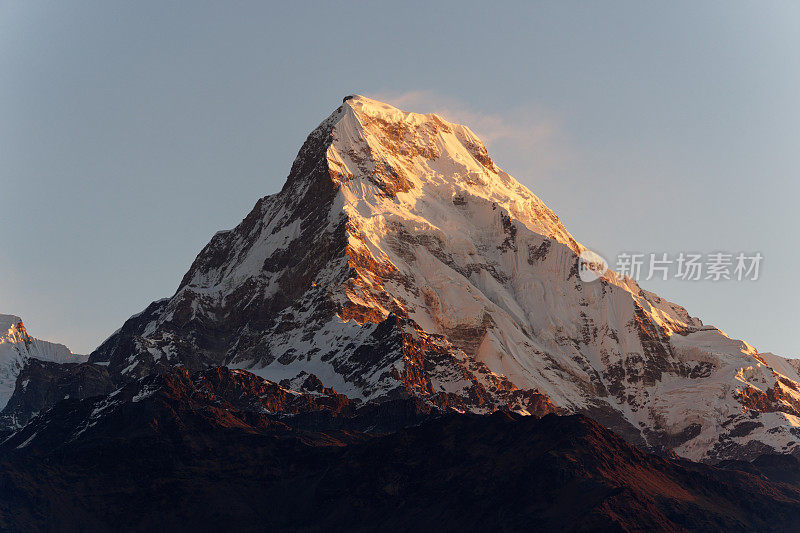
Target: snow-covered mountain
(17,348)
(399,259)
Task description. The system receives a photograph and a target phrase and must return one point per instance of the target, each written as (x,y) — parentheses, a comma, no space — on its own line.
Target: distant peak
(9,321)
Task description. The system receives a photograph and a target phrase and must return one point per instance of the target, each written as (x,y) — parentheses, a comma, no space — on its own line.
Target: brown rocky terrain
(226,449)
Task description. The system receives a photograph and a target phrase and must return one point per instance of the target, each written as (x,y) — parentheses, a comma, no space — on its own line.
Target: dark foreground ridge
(225,449)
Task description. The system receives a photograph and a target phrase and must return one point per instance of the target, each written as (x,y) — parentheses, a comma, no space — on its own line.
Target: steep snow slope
(17,347)
(399,259)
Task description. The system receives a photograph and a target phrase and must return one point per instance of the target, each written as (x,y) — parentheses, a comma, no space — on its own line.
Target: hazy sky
(131,132)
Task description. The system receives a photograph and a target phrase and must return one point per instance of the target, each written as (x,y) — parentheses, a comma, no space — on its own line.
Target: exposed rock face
(41,384)
(203,451)
(180,402)
(399,261)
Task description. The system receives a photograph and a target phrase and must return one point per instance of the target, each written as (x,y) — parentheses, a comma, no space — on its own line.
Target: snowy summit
(399,259)
(17,348)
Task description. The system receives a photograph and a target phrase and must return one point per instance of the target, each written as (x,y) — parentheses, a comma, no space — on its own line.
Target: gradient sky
(131,132)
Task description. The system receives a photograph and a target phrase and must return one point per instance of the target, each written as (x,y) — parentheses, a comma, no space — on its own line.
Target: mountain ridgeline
(402,327)
(399,259)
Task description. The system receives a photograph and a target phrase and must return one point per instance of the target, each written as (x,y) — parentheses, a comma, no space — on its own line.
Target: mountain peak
(17,347)
(9,321)
(411,159)
(389,114)
(399,260)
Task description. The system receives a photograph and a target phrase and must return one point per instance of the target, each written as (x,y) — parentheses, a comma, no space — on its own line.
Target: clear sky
(131,132)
